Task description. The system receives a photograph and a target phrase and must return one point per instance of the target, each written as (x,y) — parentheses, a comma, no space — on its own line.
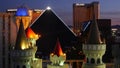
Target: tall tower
(24,14)
(58,57)
(82,13)
(23,53)
(94,48)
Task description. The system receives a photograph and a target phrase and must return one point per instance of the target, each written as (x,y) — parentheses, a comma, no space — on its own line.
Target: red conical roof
(30,33)
(58,50)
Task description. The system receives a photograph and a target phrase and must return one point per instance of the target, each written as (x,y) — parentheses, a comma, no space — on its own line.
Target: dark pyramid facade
(51,27)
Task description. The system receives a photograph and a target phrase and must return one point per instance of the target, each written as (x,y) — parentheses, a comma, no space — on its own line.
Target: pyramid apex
(48,8)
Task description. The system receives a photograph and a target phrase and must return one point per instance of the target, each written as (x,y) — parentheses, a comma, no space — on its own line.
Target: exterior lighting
(48,8)
(82,4)
(23,46)
(77,4)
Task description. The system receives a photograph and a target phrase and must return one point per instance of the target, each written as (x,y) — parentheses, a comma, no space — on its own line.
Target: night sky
(109,9)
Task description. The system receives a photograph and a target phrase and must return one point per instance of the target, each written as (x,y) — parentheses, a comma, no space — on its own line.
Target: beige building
(82,13)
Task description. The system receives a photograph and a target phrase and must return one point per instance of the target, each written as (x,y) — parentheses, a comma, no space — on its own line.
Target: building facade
(9,21)
(82,13)
(8,36)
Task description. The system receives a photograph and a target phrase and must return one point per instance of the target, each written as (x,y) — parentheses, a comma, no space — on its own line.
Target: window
(24,66)
(92,60)
(98,61)
(17,66)
(87,60)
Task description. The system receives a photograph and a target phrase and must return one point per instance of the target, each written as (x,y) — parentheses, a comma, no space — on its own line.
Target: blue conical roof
(22,11)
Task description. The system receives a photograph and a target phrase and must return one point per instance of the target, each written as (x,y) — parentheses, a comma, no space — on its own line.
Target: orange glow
(58,50)
(31,34)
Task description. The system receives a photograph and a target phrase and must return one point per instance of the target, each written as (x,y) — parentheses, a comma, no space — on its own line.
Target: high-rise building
(82,13)
(7,38)
(8,31)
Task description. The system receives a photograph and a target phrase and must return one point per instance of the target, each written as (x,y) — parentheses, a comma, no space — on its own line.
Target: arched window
(24,66)
(98,61)
(92,60)
(31,66)
(87,60)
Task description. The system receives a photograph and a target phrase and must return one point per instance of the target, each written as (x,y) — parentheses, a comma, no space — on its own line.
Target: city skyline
(109,9)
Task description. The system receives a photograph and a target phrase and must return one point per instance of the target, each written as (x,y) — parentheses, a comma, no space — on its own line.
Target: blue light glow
(22,11)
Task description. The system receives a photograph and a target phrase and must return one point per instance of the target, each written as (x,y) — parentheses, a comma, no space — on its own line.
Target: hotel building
(82,13)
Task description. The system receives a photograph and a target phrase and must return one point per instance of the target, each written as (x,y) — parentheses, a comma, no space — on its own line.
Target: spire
(58,50)
(21,41)
(94,34)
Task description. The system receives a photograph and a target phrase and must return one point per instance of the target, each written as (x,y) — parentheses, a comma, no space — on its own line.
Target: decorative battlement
(26,53)
(94,47)
(57,60)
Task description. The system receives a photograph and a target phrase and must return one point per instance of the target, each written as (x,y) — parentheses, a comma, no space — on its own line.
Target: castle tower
(115,50)
(57,57)
(24,14)
(23,53)
(94,48)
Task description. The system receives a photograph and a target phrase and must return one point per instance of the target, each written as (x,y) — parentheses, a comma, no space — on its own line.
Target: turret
(23,53)
(57,58)
(94,48)
(21,41)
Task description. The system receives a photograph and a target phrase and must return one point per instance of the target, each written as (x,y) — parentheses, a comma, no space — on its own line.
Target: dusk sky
(109,9)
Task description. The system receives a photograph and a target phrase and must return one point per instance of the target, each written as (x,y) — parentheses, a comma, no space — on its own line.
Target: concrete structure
(94,48)
(23,53)
(57,58)
(82,13)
